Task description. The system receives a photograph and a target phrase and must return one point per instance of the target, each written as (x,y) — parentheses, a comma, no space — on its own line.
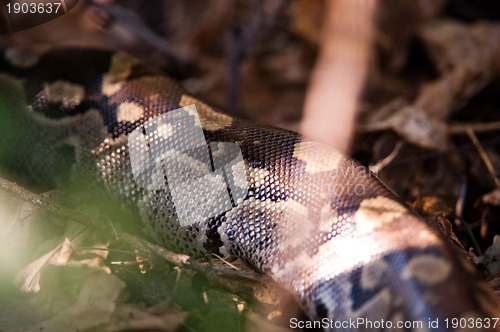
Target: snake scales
(313,219)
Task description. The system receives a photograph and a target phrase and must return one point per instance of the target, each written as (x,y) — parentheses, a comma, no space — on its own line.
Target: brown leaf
(70,299)
(161,317)
(491,257)
(444,226)
(492,198)
(29,278)
(255,322)
(466,55)
(410,122)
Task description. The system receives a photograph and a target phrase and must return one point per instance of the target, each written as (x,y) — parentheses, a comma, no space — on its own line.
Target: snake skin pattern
(316,221)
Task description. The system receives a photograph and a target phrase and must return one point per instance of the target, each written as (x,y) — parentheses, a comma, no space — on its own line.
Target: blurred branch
(338,78)
(381,164)
(50,206)
(466,63)
(439,154)
(484,156)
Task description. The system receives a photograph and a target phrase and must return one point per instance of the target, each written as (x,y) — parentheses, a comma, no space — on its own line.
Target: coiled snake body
(313,219)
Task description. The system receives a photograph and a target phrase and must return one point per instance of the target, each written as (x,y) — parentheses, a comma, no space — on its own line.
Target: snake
(316,221)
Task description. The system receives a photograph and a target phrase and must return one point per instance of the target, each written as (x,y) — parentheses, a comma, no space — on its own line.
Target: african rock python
(311,218)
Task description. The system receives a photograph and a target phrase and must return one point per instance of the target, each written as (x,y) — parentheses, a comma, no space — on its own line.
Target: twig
(381,164)
(439,154)
(248,274)
(105,249)
(170,256)
(459,129)
(483,155)
(136,27)
(226,262)
(52,207)
(89,222)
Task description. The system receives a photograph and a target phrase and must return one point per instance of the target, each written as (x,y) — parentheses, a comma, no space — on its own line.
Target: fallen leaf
(410,122)
(75,299)
(70,299)
(466,67)
(491,257)
(160,317)
(492,198)
(28,278)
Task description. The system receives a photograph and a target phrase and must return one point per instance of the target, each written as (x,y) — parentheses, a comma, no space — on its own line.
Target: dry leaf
(70,299)
(466,66)
(160,317)
(254,322)
(28,278)
(16,224)
(491,257)
(410,122)
(492,198)
(91,304)
(495,284)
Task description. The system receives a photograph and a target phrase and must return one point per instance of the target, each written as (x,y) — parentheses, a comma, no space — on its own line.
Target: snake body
(313,219)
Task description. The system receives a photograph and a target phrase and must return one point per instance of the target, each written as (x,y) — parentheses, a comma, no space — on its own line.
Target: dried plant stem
(483,155)
(381,164)
(459,129)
